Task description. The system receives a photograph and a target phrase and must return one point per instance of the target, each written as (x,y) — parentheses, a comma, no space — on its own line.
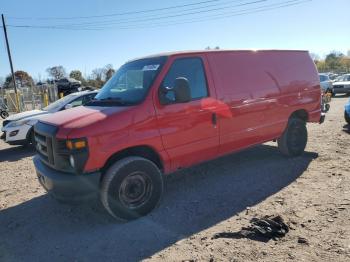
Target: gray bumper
(66,186)
(341,90)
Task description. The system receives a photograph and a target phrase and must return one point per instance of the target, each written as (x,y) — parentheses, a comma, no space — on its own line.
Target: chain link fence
(30,97)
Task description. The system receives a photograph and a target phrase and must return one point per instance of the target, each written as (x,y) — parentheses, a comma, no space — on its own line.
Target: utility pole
(10,60)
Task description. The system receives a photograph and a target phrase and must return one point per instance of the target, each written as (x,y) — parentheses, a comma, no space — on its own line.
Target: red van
(165,112)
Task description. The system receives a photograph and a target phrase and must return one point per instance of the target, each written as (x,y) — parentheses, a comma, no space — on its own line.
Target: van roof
(215,50)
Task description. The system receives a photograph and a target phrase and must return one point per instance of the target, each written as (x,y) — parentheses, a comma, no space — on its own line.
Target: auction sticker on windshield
(150,67)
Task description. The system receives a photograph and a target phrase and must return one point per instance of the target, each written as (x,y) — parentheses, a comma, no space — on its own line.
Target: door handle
(214,119)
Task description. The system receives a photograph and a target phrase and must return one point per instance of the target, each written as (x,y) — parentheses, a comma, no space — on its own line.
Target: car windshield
(323,78)
(57,105)
(343,78)
(130,84)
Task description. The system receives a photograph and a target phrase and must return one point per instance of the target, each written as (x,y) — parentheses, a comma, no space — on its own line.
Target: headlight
(30,122)
(71,161)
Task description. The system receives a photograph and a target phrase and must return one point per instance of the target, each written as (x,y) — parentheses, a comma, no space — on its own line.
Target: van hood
(26,114)
(80,116)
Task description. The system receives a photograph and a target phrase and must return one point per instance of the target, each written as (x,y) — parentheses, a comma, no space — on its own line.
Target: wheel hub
(135,190)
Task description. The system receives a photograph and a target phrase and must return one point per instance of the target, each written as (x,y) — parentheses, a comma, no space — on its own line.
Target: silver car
(326,83)
(342,85)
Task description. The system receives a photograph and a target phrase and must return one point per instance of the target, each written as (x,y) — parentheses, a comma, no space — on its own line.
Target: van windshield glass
(130,84)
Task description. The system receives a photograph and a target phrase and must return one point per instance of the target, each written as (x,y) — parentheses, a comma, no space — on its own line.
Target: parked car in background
(342,85)
(166,112)
(3,109)
(67,86)
(332,76)
(326,83)
(18,128)
(347,112)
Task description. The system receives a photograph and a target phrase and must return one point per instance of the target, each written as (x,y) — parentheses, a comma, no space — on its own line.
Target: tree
(77,75)
(22,78)
(57,72)
(333,60)
(215,48)
(315,57)
(98,74)
(110,72)
(345,62)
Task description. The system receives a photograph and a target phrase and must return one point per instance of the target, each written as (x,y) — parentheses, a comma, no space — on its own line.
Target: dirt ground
(311,192)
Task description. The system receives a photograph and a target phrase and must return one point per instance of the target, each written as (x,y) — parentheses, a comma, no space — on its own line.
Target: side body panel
(258,91)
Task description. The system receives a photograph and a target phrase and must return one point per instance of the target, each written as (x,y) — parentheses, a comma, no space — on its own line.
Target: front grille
(338,86)
(44,135)
(44,148)
(52,150)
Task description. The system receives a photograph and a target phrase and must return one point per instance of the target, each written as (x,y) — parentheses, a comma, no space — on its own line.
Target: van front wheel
(131,188)
(294,139)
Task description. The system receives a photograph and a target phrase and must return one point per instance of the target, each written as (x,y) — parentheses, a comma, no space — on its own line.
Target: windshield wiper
(116,100)
(109,98)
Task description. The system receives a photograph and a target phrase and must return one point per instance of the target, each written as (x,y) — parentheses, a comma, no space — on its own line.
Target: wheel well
(301,114)
(141,151)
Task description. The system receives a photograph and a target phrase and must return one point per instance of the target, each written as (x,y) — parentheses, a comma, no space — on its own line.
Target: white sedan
(18,128)
(342,85)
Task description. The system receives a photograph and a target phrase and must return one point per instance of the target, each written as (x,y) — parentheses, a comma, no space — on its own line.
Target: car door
(189,131)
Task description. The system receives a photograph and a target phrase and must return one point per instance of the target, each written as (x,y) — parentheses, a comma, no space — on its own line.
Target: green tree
(333,60)
(345,62)
(77,75)
(56,72)
(22,78)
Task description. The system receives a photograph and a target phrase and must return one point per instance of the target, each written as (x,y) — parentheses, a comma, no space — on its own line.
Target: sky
(112,33)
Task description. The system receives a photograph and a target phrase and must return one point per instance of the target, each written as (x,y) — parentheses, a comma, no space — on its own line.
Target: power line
(222,15)
(116,14)
(217,16)
(167,16)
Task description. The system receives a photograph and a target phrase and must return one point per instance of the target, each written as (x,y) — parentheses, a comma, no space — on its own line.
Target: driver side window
(192,69)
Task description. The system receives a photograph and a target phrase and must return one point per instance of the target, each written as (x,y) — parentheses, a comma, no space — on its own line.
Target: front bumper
(67,186)
(18,139)
(341,90)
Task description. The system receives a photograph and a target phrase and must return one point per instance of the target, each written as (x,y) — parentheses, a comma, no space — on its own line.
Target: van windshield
(130,84)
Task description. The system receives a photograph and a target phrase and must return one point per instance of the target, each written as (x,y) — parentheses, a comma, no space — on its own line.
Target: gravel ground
(311,192)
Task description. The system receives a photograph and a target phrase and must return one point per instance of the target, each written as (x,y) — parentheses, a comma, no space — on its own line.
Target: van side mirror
(179,93)
(182,90)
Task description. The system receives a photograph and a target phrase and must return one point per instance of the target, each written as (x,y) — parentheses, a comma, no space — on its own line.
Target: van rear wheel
(294,139)
(131,188)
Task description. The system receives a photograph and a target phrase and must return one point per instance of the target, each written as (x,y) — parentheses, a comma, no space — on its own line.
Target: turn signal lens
(69,144)
(79,144)
(76,144)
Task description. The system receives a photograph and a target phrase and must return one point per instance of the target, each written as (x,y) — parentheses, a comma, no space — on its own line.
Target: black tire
(131,188)
(30,139)
(347,117)
(294,138)
(4,114)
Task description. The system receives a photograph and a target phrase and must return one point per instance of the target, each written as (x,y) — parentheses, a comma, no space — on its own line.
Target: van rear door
(188,130)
